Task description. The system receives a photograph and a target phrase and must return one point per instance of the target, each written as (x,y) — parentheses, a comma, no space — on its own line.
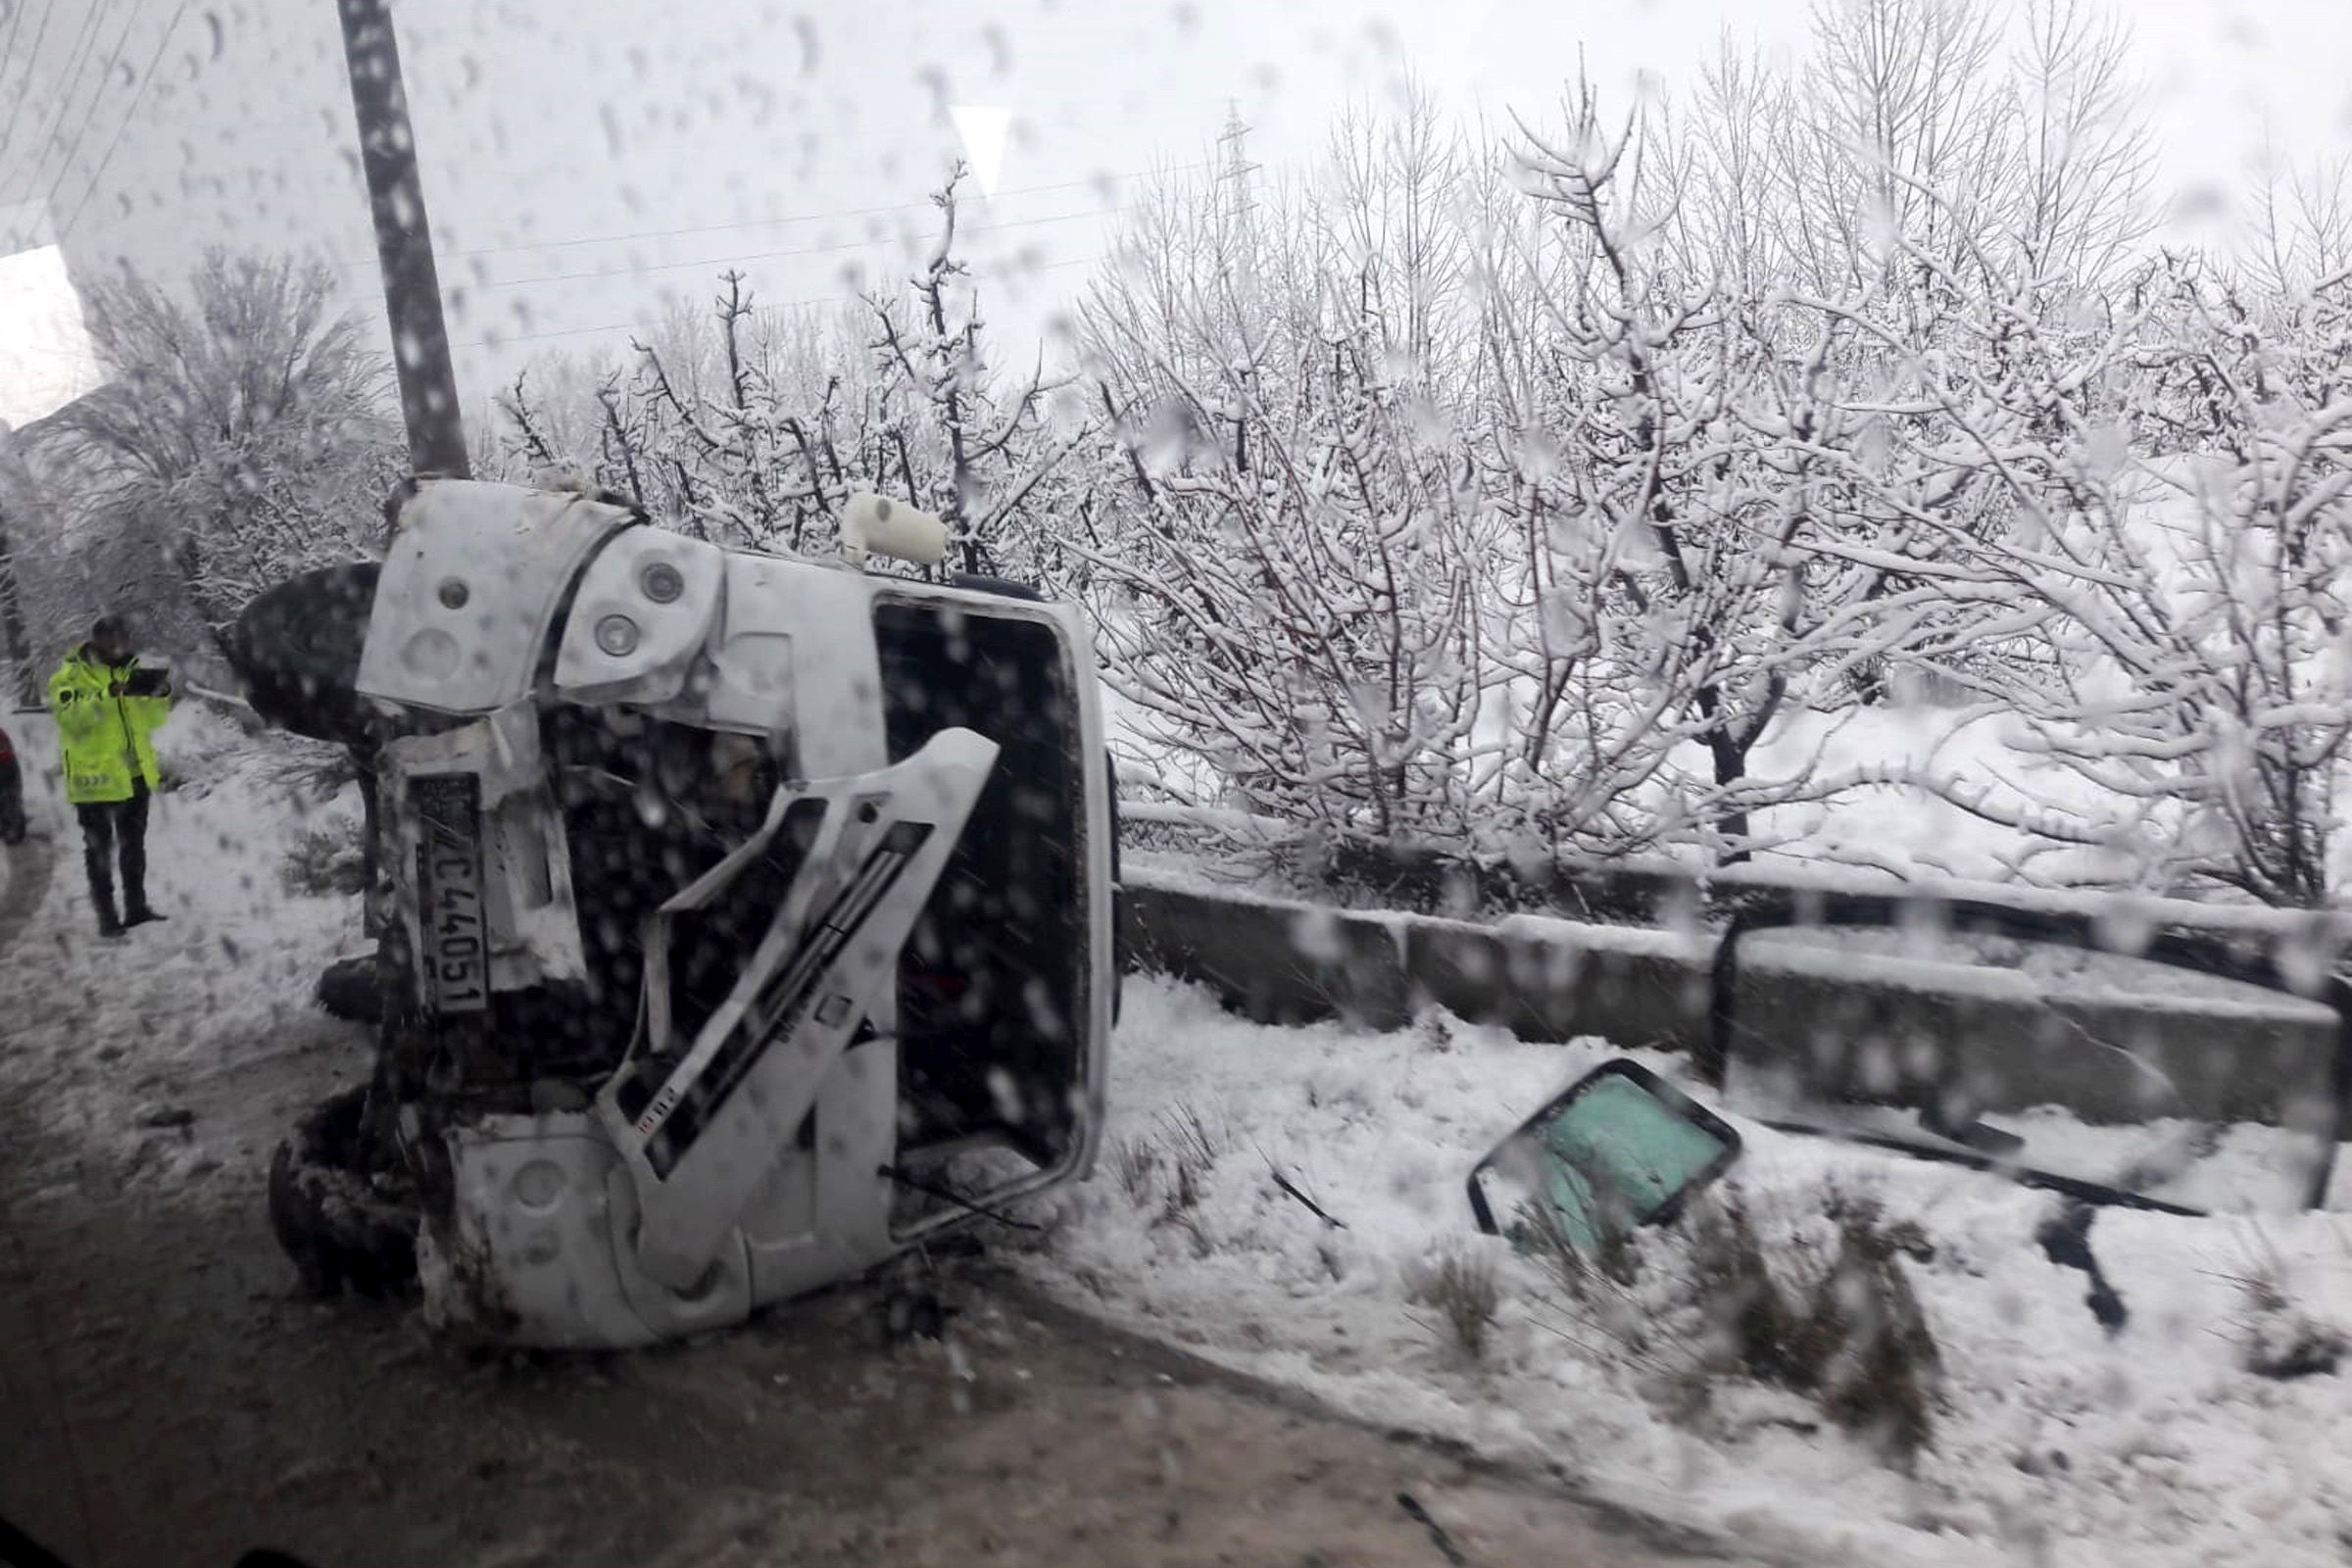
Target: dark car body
(12,793)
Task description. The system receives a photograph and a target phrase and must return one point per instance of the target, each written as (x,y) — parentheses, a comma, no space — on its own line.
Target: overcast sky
(583,158)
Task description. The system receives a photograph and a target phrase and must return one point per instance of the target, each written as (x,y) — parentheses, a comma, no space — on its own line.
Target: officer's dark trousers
(112,831)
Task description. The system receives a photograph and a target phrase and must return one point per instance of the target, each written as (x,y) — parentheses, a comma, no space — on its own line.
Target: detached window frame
(1657,1088)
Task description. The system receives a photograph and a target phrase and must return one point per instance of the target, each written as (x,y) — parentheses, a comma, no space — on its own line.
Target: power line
(624,326)
(751,256)
(89,110)
(16,20)
(804,217)
(630,270)
(32,58)
(77,56)
(510,340)
(128,114)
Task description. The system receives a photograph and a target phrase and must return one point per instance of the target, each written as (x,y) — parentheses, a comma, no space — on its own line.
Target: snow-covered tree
(754,426)
(1528,492)
(245,434)
(1288,570)
(2205,602)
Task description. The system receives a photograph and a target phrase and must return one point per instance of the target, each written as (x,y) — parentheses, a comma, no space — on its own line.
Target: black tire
(353,989)
(297,650)
(1120,939)
(339,1209)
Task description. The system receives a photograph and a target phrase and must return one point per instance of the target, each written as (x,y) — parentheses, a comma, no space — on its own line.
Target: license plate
(448,892)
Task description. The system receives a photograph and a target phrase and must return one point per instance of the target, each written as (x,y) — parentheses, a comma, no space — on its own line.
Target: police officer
(108,707)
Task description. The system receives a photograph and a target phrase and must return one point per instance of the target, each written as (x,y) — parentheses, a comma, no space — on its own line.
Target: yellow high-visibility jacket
(105,734)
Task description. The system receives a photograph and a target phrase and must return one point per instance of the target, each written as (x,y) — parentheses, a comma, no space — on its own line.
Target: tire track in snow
(31,865)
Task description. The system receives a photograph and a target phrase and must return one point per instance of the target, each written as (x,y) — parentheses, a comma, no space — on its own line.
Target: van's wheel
(296,648)
(353,989)
(342,1210)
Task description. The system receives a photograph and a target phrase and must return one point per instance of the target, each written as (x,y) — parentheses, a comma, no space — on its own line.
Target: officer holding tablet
(107,707)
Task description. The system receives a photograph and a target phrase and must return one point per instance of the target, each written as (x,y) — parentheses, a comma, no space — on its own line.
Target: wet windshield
(1124,782)
(2044,1058)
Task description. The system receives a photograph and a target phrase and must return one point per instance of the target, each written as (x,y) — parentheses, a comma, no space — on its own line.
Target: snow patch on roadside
(109,1033)
(2055,1444)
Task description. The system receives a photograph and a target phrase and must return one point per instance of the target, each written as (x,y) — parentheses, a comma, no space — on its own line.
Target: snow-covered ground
(2054,1443)
(1910,831)
(1905,829)
(1894,824)
(1891,824)
(116,1028)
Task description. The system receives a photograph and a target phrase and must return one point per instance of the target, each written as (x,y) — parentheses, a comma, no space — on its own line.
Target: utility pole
(403,243)
(1238,264)
(27,694)
(11,622)
(1243,212)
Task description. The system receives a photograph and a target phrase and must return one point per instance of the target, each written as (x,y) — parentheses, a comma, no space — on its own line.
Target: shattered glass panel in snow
(1620,1150)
